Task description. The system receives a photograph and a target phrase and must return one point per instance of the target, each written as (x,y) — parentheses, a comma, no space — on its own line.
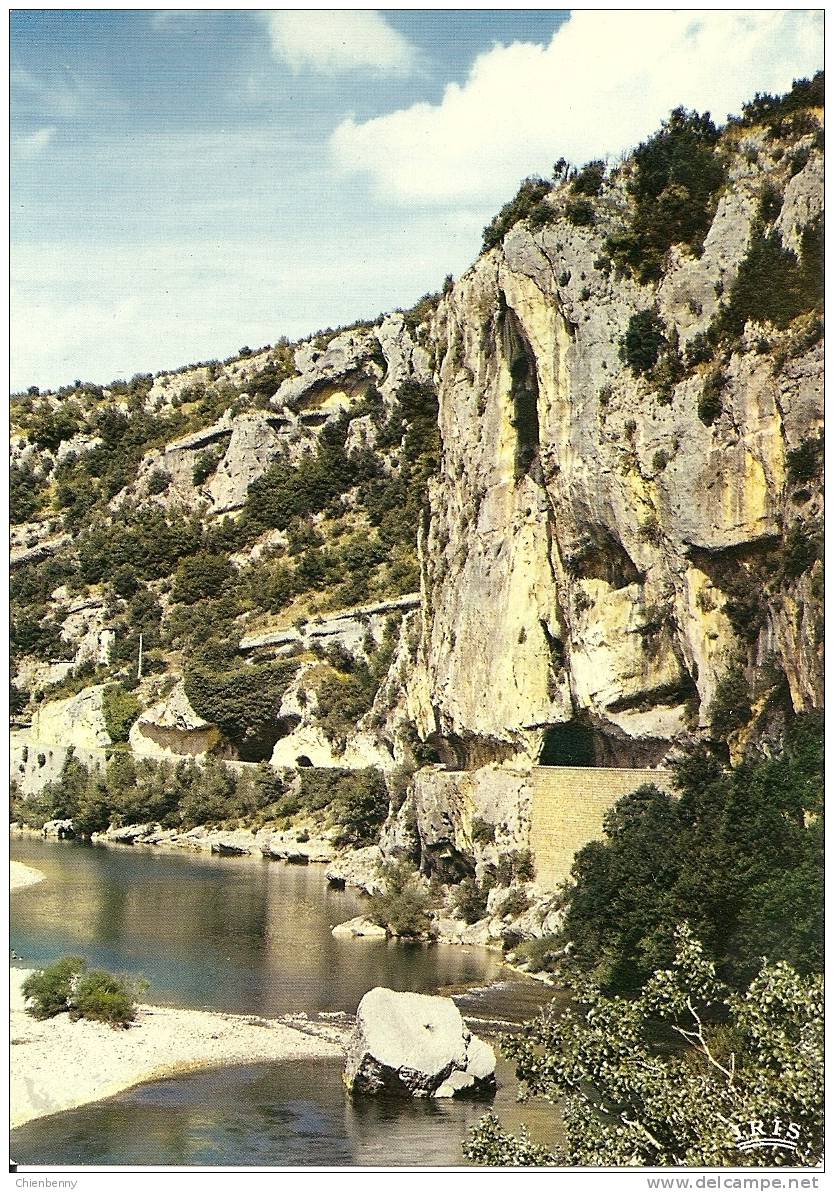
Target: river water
(244,935)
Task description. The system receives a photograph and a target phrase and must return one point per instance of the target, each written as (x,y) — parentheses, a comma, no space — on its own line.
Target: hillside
(569,510)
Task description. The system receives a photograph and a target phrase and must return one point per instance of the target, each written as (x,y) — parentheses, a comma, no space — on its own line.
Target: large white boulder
(413,1045)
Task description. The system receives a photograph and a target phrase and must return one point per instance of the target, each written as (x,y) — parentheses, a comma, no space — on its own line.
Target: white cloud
(331,42)
(55,93)
(604,82)
(34,143)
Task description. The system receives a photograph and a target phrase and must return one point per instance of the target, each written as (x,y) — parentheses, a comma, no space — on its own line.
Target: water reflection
(237,934)
(268,1115)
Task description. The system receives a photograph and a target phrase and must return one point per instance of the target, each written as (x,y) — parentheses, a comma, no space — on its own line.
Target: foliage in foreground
(67,987)
(753,1057)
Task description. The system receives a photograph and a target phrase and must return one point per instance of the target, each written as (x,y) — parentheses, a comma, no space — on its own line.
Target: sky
(187,182)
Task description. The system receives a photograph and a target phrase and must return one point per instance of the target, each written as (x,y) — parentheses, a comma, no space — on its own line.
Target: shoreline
(57,1064)
(21,876)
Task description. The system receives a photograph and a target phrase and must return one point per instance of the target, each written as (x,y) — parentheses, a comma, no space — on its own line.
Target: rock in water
(359,926)
(413,1045)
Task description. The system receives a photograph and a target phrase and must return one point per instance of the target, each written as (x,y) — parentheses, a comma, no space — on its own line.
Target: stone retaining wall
(568,808)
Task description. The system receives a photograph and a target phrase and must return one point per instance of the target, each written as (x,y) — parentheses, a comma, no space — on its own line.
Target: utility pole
(139,671)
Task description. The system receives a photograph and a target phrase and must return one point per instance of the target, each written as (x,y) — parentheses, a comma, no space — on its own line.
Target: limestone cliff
(595,551)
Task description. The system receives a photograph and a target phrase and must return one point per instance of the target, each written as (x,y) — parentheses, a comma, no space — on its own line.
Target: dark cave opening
(569,744)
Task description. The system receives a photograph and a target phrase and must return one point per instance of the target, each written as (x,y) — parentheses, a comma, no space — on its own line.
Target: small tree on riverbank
(744,1090)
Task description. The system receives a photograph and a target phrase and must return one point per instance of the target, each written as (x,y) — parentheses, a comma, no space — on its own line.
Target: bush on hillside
(25,493)
(243,702)
(202,577)
(677,174)
(772,285)
(120,709)
(402,906)
(530,195)
(359,805)
(642,342)
(470,899)
(589,179)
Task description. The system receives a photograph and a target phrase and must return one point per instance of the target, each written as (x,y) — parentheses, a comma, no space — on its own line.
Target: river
(244,935)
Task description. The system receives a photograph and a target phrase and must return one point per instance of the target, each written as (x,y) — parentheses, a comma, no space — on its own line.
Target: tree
(744,1067)
(402,905)
(201,577)
(642,341)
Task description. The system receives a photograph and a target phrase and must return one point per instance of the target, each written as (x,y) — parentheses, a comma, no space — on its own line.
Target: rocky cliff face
(593,545)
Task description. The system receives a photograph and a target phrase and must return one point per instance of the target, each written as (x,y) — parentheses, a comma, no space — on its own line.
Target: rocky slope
(605,480)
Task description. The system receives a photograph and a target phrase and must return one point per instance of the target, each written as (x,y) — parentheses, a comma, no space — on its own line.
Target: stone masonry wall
(568,808)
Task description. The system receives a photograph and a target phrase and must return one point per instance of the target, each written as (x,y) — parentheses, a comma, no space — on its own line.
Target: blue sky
(187,182)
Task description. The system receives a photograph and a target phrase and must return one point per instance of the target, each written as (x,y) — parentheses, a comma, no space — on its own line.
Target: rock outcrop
(609,528)
(359,928)
(171,728)
(412,1045)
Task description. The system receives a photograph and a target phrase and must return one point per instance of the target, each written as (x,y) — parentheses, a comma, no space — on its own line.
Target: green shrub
(516,866)
(530,194)
(402,906)
(773,110)
(801,549)
(242,701)
(699,350)
(49,428)
(201,577)
(709,401)
(642,341)
(590,178)
(514,903)
(580,213)
(50,988)
(359,806)
(25,493)
(770,203)
(730,707)
(806,461)
(158,482)
(66,986)
(101,997)
(205,465)
(676,178)
(539,954)
(483,832)
(120,709)
(470,899)
(772,285)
